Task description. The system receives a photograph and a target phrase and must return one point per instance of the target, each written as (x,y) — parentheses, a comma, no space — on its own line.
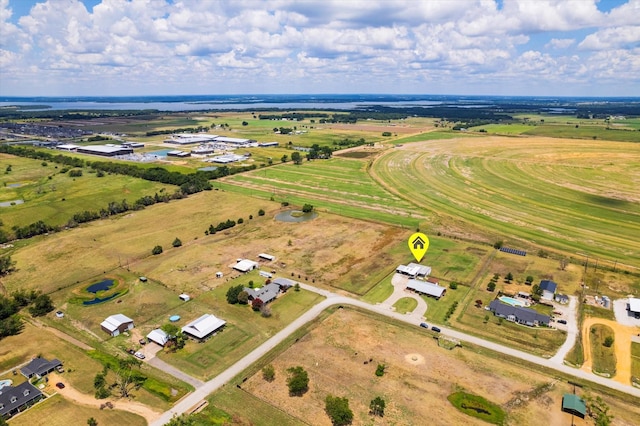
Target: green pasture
(429,136)
(604,359)
(58,411)
(502,129)
(570,196)
(339,185)
(584,132)
(478,407)
(54,197)
(437,309)
(245,330)
(635,362)
(381,291)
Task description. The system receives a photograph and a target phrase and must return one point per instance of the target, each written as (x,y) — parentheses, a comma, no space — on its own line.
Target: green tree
(376,406)
(608,341)
(92,422)
(257,304)
(181,420)
(498,245)
(41,306)
(243,297)
(284,158)
(176,242)
(233,292)
(380,370)
(7,266)
(261,212)
(307,208)
(338,410)
(491,286)
(156,250)
(453,285)
(269,373)
(529,279)
(3,422)
(296,287)
(509,277)
(296,158)
(298,381)
(127,378)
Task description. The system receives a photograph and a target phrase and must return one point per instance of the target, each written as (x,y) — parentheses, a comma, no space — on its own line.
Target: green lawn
(584,132)
(381,291)
(635,362)
(604,358)
(429,136)
(405,304)
(245,330)
(479,407)
(437,309)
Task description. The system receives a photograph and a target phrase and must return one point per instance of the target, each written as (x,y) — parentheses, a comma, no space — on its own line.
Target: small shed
(185,297)
(143,279)
(266,256)
(219,274)
(573,404)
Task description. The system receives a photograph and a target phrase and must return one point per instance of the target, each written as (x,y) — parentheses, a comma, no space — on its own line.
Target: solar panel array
(513,251)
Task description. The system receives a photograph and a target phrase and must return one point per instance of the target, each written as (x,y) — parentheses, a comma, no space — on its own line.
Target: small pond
(161,153)
(295,216)
(11,203)
(99,300)
(14,185)
(101,286)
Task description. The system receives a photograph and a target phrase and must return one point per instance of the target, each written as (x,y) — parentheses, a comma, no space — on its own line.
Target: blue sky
(472,47)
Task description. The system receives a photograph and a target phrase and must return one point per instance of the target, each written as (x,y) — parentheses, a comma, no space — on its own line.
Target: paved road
(333,299)
(169,369)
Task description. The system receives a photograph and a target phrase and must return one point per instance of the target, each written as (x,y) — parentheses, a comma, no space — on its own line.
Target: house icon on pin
(418,244)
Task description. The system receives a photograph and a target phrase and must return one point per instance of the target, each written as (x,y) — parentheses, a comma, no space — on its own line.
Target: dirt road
(78,397)
(622,345)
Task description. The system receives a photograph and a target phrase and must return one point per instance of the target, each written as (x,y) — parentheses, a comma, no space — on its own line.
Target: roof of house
(574,403)
(422,269)
(203,326)
(562,296)
(634,304)
(426,288)
(245,265)
(548,285)
(23,393)
(39,366)
(114,321)
(158,336)
(284,282)
(266,293)
(522,314)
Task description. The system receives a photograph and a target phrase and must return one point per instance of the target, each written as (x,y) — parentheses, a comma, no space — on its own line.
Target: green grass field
(54,197)
(604,358)
(567,195)
(337,185)
(477,406)
(405,304)
(437,309)
(635,362)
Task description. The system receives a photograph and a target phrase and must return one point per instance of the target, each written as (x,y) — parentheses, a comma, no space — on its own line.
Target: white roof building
(634,305)
(427,288)
(203,326)
(115,324)
(67,147)
(246,265)
(414,270)
(158,336)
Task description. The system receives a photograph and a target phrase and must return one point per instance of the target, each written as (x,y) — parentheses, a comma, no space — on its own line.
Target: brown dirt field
(334,355)
(622,345)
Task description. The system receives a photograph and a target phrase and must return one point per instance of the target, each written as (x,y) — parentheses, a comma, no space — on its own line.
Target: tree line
(10,321)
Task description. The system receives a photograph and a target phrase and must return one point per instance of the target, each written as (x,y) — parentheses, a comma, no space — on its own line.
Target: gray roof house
(548,288)
(518,314)
(284,283)
(267,293)
(39,367)
(14,400)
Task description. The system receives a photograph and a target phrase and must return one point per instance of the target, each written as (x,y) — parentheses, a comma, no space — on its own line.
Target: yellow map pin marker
(418,244)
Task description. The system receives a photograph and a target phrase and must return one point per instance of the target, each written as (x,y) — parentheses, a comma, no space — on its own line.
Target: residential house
(158,336)
(267,294)
(518,314)
(414,270)
(548,288)
(14,400)
(39,367)
(284,284)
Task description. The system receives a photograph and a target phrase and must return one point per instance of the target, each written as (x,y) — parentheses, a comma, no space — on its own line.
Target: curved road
(333,299)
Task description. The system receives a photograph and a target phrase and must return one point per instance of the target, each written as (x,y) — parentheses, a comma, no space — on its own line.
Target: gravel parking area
(622,315)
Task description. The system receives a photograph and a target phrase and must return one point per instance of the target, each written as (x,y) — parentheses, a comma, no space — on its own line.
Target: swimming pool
(4,383)
(511,301)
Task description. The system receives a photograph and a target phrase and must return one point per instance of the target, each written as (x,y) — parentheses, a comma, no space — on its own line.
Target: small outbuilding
(246,265)
(158,336)
(548,288)
(562,298)
(634,306)
(219,274)
(430,289)
(265,256)
(575,405)
(284,283)
(185,297)
(203,327)
(116,324)
(414,270)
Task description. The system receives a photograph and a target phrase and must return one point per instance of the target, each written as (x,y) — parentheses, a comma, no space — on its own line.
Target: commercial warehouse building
(105,150)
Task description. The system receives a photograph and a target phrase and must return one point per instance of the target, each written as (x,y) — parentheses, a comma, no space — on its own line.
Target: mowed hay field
(419,376)
(339,185)
(329,249)
(568,195)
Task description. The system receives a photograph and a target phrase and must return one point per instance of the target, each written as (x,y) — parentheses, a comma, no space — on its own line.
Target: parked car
(562,321)
(139,355)
(59,369)
(60,385)
(436,329)
(424,325)
(131,351)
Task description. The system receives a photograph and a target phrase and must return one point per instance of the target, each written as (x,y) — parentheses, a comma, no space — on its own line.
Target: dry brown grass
(334,354)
